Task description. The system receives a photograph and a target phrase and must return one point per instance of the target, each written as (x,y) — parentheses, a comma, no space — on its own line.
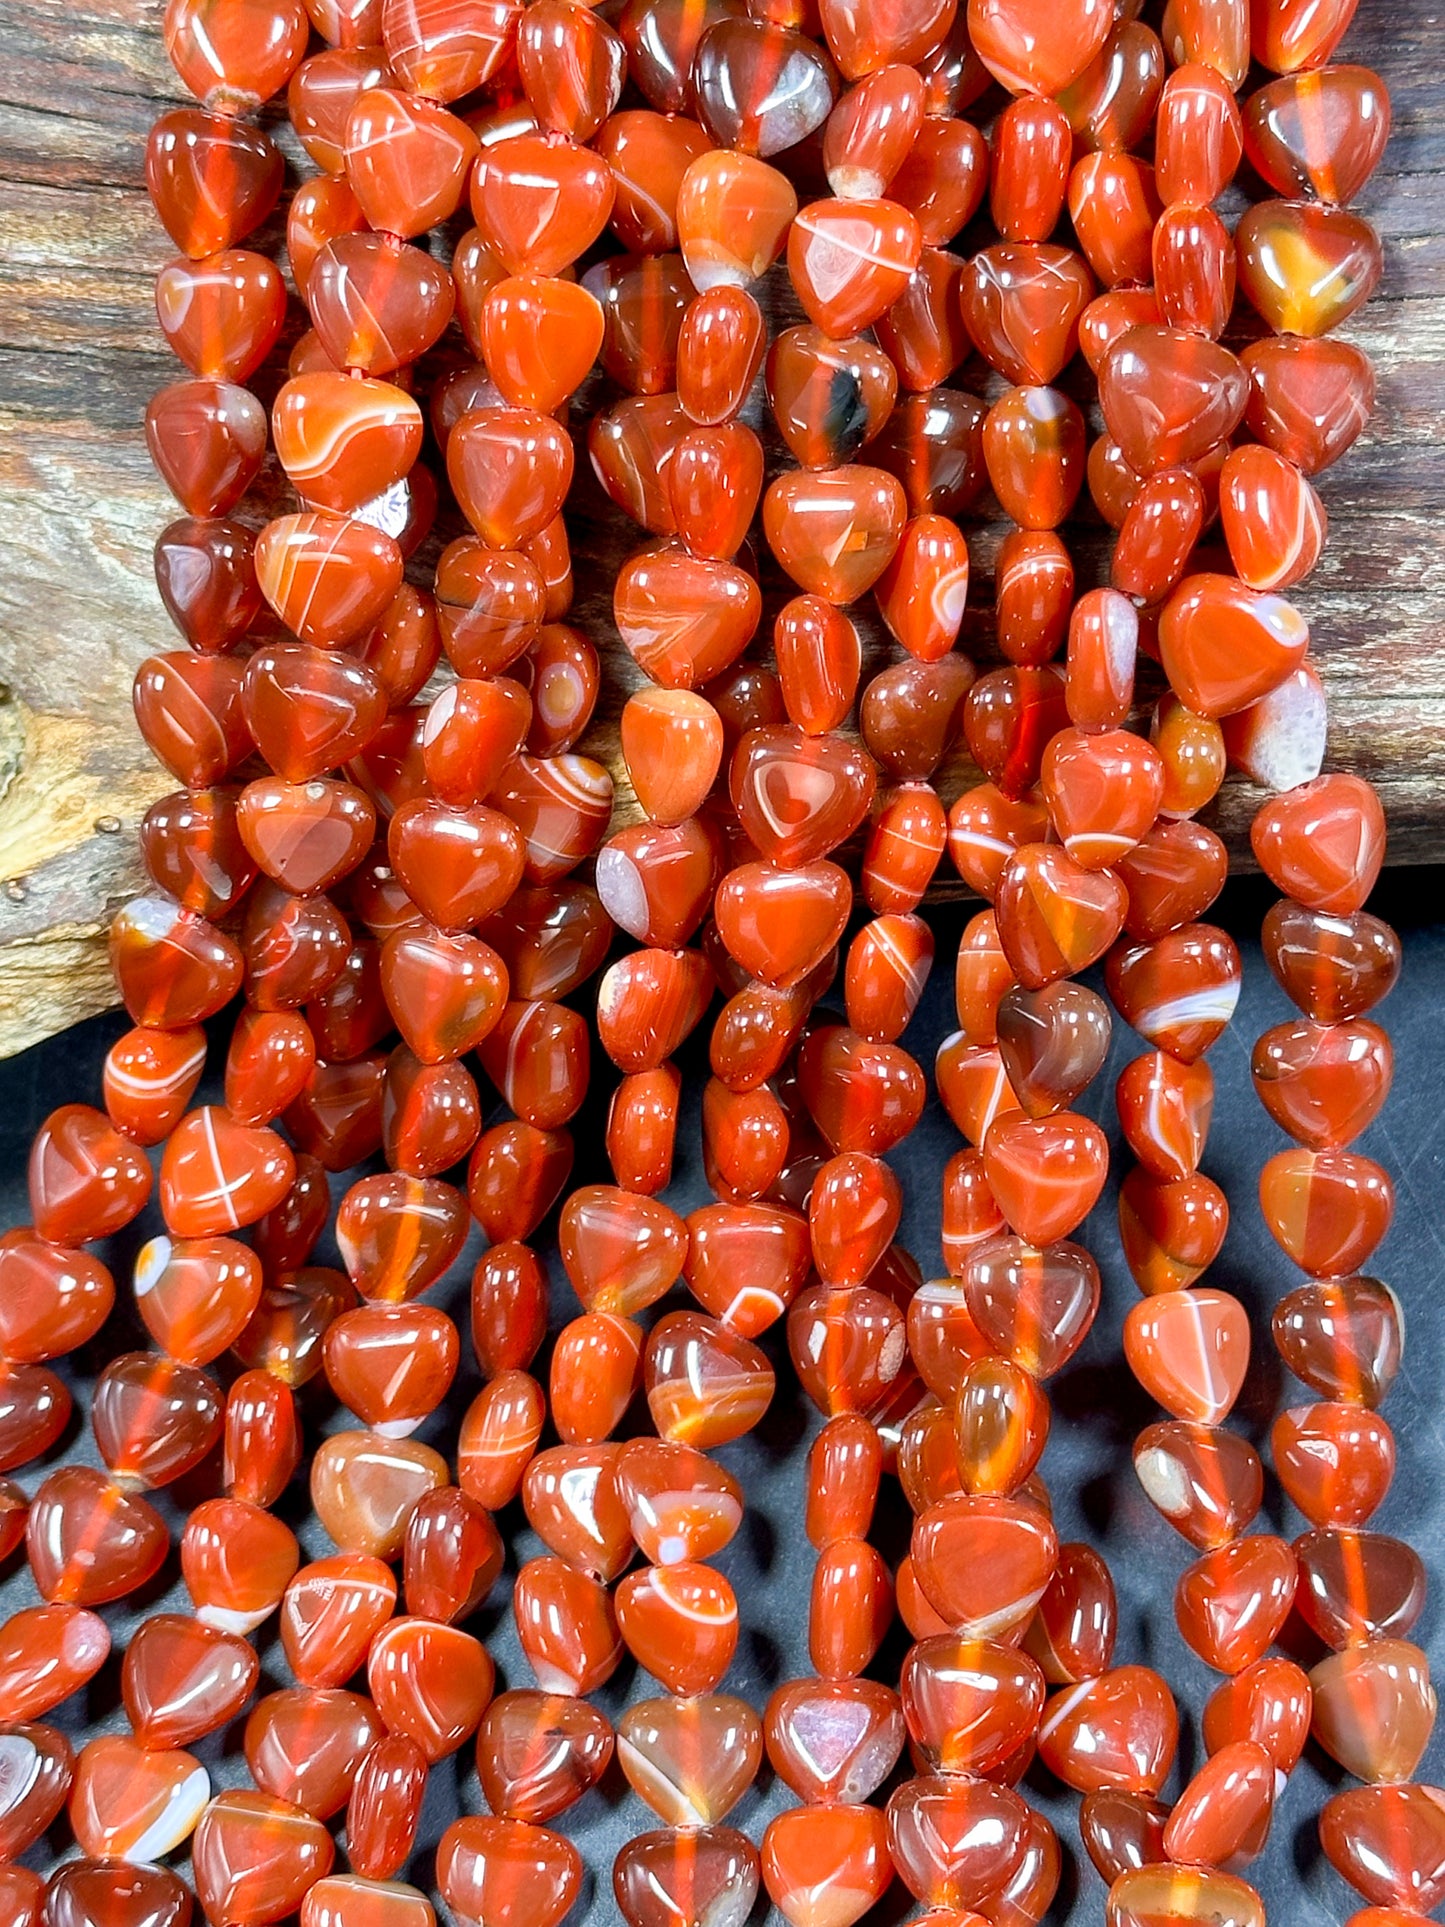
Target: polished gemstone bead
(431,1683)
(221,316)
(691,1760)
(1112,103)
(680,1623)
(284,1336)
(1032,51)
(760,88)
(1230,1604)
(1171,1228)
(1357,1586)
(1168,396)
(207,439)
(1306,266)
(1179,992)
(1389,1843)
(1190,1350)
(87,1540)
(596,1369)
(973,1086)
(684,618)
(826,1863)
(970,1704)
(38,1770)
(329,1614)
(1000,1424)
(1114,207)
(52,1299)
(83,1892)
(683,1879)
(237,1560)
(498,1437)
(192,848)
(305,836)
(704,1384)
(573,1505)
(212,178)
(1172,876)
(153,1418)
(1208,1483)
(642,300)
(539,1753)
(1374,1708)
(254,1857)
(1165,1107)
(1223,646)
(1116,1731)
(955,1839)
(566,1627)
(1121,1831)
(1342,1338)
(833,1740)
(46,1654)
(1033,1306)
(983,1563)
(1186,1894)
(1309,398)
(183,1679)
(540,203)
(1323,844)
(233,61)
(746,1262)
(1045,1172)
(1268,1703)
(507,1873)
(1054,917)
(305,1745)
(364,1488)
(1328,1209)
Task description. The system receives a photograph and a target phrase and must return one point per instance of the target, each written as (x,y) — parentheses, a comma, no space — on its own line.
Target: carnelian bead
(508,1872)
(826,1863)
(571,66)
(1028,179)
(1116,1731)
(1341,1338)
(1033,447)
(305,1744)
(499,1434)
(1054,917)
(431,1683)
(262,1438)
(1184,1894)
(1230,1604)
(1206,1482)
(643,299)
(330,1613)
(1306,266)
(1327,1209)
(903,848)
(44,1767)
(212,178)
(383,1810)
(88,1541)
(1114,207)
(189,710)
(516,1174)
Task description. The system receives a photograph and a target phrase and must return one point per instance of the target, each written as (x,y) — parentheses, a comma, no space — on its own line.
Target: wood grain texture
(80,507)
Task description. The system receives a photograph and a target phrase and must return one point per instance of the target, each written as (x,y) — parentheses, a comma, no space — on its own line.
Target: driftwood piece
(80,506)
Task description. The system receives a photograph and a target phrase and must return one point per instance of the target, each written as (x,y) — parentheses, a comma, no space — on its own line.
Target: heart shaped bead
(1103,792)
(89,1542)
(1053,1043)
(305,836)
(130,1802)
(212,178)
(705,1385)
(207,440)
(826,1862)
(1172,875)
(779,925)
(1268,1703)
(377,304)
(538,1753)
(1308,399)
(343,439)
(680,1623)
(1169,395)
(833,1740)
(397,1235)
(221,316)
(46,1654)
(407,160)
(505,1871)
(800,796)
(955,1839)
(1208,1483)
(1021,304)
(182,1679)
(1373,1709)
(1033,1306)
(328,577)
(681,1505)
(758,87)
(1223,646)
(445,990)
(540,337)
(1120,1730)
(835,530)
(828,397)
(983,1563)
(853,1212)
(540,203)
(1054,917)
(1046,1172)
(1306,266)
(510,469)
(38,1767)
(252,1854)
(1342,1339)
(1230,1604)
(1179,992)
(431,1683)
(1324,843)
(1190,1351)
(1031,50)
(691,1760)
(684,618)
(330,1612)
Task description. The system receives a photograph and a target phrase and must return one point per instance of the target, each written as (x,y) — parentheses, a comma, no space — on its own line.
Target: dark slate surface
(1098,1410)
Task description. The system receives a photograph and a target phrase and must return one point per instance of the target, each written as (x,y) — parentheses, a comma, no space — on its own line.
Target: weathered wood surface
(80,506)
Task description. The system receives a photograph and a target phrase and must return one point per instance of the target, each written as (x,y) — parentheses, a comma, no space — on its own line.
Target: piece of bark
(80,506)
